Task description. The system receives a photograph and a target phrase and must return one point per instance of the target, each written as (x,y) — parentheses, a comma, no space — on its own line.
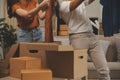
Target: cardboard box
(68,64)
(63,33)
(4,64)
(63,28)
(38,50)
(20,63)
(36,74)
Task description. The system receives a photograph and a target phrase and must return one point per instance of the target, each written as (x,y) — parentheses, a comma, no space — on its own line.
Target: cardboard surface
(12,51)
(68,64)
(36,74)
(63,27)
(63,33)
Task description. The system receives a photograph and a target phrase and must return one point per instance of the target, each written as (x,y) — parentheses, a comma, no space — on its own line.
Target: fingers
(47,2)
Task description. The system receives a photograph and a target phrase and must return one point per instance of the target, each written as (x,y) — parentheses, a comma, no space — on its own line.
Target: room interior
(110,44)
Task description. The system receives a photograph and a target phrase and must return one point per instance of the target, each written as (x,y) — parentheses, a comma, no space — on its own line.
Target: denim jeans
(88,41)
(30,35)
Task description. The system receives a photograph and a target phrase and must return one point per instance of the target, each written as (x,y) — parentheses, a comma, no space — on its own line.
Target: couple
(73,12)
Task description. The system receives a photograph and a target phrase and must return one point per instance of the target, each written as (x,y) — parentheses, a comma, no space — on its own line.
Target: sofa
(111,53)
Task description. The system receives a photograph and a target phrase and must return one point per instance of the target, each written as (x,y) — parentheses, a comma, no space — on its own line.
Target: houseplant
(7,35)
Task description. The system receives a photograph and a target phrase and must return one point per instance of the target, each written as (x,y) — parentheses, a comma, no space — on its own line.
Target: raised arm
(90,1)
(74,4)
(26,14)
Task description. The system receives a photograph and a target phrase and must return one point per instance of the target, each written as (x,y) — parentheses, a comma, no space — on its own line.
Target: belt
(81,33)
(27,29)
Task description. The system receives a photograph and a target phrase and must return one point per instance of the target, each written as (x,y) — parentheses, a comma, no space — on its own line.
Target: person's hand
(47,2)
(55,3)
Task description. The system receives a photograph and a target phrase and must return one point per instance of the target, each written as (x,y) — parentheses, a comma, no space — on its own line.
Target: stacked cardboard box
(29,65)
(63,30)
(20,63)
(37,50)
(4,64)
(63,60)
(70,64)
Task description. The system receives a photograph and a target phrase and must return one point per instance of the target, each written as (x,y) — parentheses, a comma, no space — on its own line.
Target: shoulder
(34,1)
(65,3)
(16,5)
(86,2)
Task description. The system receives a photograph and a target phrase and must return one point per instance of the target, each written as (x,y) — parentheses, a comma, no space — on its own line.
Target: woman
(27,13)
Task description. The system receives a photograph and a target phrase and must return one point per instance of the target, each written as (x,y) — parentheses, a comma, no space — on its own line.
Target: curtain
(110,17)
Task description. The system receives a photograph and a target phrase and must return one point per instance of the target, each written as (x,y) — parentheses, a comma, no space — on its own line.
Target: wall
(1,16)
(95,10)
(1,8)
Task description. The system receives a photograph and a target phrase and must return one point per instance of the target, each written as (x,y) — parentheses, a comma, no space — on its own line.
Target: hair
(10,3)
(57,10)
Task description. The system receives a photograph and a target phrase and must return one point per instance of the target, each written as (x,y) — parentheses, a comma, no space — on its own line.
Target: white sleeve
(65,6)
(65,10)
(86,2)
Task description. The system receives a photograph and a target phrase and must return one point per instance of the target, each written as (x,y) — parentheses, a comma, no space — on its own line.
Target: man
(81,35)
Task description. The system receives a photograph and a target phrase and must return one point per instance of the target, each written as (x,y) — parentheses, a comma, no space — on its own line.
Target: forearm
(31,13)
(90,1)
(74,4)
(36,10)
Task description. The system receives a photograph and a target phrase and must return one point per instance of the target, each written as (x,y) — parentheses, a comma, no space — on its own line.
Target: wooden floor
(7,77)
(10,78)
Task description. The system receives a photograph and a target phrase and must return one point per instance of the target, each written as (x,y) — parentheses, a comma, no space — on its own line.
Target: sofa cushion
(111,52)
(117,41)
(104,44)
